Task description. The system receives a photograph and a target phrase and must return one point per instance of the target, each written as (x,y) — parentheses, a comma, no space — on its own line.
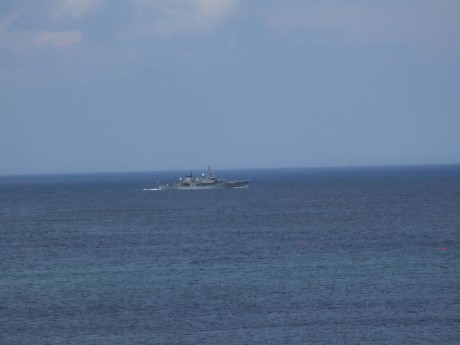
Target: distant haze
(140,85)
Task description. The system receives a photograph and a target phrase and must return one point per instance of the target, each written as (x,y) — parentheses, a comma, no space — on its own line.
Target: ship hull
(224,185)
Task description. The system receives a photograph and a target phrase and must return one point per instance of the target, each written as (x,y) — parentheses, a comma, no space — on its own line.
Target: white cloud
(19,42)
(24,42)
(57,38)
(75,8)
(427,23)
(162,18)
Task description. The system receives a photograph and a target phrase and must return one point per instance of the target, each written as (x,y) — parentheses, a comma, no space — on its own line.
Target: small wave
(151,189)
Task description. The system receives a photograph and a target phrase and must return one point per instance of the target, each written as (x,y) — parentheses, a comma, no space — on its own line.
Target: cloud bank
(427,23)
(126,31)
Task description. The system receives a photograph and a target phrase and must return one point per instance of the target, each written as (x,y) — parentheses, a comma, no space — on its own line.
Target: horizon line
(360,166)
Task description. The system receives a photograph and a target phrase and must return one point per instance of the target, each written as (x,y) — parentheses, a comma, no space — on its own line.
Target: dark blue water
(318,256)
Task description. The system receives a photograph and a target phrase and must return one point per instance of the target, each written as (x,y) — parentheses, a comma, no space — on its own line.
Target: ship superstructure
(207,180)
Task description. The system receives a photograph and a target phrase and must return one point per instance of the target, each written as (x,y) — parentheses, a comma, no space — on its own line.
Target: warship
(207,180)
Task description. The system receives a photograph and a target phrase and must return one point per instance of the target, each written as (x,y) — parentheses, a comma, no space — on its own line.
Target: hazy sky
(135,85)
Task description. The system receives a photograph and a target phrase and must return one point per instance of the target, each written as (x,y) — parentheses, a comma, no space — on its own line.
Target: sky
(146,85)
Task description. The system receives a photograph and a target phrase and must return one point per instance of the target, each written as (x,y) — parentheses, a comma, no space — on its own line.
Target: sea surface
(302,256)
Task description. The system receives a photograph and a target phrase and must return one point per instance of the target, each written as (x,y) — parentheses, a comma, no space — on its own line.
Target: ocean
(302,256)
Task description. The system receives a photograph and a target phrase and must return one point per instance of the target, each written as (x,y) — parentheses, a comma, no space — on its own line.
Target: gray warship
(208,180)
